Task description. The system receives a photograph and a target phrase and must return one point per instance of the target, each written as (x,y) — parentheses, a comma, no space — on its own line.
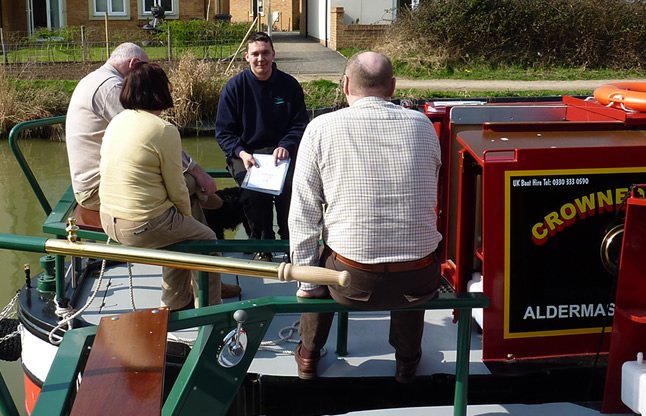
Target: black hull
(282,396)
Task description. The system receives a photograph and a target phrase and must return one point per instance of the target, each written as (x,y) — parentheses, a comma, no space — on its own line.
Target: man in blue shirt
(261,110)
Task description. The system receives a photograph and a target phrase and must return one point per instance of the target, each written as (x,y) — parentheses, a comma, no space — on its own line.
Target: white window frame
(167,13)
(125,13)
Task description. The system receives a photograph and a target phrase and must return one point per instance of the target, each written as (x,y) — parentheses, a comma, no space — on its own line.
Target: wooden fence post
(4,50)
(169,40)
(107,39)
(83,57)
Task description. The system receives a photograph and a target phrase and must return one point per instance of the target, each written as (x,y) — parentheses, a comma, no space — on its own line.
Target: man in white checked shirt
(366,181)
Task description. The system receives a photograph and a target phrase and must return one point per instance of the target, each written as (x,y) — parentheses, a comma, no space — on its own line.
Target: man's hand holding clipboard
(266,175)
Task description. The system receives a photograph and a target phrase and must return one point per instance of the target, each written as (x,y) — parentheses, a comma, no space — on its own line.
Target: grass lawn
(64,52)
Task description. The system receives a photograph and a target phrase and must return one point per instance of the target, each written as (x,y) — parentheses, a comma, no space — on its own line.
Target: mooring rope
(131,287)
(621,104)
(284,336)
(68,314)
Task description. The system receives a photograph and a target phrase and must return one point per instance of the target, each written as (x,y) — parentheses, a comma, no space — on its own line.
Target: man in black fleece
(261,110)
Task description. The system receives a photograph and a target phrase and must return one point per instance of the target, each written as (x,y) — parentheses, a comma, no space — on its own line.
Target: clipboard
(266,177)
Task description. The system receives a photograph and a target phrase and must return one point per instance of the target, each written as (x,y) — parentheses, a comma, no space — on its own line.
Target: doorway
(45,14)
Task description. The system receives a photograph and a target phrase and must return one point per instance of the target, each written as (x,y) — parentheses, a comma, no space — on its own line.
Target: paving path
(307,60)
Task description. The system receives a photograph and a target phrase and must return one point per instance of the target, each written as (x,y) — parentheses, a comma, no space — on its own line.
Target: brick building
(335,23)
(286,14)
(29,15)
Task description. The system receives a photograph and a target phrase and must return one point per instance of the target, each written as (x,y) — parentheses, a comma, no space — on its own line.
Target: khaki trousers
(88,199)
(179,286)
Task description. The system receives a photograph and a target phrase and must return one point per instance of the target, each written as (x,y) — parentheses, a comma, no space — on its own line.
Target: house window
(112,7)
(170,6)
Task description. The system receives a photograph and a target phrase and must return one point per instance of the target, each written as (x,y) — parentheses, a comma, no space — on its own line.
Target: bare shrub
(20,104)
(416,53)
(530,33)
(196,91)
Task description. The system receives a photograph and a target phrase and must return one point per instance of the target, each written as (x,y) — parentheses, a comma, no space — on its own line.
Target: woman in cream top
(144,198)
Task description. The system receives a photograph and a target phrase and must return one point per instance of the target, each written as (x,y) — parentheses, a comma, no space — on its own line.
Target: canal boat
(534,197)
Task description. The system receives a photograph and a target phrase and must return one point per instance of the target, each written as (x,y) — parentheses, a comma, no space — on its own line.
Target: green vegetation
(196,87)
(63,87)
(423,95)
(204,39)
(156,52)
(457,39)
(518,39)
(323,94)
(407,68)
(457,34)
(186,33)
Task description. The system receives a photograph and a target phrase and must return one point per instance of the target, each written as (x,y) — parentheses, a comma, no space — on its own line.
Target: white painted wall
(367,12)
(316,18)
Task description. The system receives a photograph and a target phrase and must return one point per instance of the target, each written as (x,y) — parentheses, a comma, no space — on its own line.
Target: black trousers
(377,291)
(259,206)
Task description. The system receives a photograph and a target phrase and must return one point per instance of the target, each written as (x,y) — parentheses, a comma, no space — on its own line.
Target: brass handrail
(277,271)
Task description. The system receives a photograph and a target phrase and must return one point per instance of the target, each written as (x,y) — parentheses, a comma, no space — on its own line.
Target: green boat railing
(279,271)
(57,217)
(14,135)
(56,221)
(198,372)
(213,320)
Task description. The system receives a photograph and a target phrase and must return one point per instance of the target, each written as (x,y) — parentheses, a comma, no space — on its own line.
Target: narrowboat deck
(369,354)
(525,362)
(361,382)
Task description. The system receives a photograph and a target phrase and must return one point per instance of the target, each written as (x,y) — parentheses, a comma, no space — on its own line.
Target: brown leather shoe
(405,370)
(230,291)
(306,366)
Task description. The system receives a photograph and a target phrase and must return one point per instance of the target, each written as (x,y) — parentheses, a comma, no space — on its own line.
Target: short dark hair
(260,37)
(146,87)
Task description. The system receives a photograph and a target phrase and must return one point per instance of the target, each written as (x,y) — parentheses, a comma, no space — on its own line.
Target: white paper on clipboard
(266,177)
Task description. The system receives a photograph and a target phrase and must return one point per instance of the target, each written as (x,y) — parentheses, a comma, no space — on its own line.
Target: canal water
(21,213)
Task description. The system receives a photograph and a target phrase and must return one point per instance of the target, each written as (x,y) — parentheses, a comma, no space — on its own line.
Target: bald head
(370,74)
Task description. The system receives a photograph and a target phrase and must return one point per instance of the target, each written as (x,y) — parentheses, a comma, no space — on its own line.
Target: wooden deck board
(125,371)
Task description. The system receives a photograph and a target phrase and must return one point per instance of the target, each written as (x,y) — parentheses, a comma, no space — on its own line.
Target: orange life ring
(624,95)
